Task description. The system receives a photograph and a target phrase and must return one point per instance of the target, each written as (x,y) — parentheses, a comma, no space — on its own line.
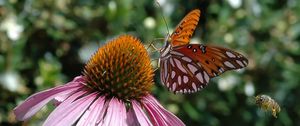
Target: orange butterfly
(187,68)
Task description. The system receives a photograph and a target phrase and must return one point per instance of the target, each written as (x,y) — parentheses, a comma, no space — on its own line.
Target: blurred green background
(46,43)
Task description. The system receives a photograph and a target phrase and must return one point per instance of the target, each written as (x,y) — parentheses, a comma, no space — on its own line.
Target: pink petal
(79,79)
(116,113)
(68,112)
(57,100)
(155,116)
(131,118)
(153,106)
(67,102)
(100,118)
(36,101)
(89,118)
(140,114)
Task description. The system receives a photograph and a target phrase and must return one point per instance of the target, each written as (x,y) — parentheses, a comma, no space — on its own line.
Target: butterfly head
(168,39)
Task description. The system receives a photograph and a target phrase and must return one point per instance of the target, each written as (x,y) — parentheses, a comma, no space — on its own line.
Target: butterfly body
(187,68)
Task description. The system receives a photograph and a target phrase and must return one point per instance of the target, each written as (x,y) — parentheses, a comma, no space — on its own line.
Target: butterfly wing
(185,29)
(181,74)
(190,67)
(214,60)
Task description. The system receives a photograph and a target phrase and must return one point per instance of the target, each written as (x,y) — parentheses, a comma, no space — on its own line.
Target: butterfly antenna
(163,17)
(151,44)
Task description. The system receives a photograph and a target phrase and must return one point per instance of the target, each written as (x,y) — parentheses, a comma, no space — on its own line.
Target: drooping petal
(131,118)
(153,106)
(89,118)
(70,110)
(36,101)
(157,118)
(123,114)
(100,118)
(140,114)
(116,113)
(58,99)
(80,79)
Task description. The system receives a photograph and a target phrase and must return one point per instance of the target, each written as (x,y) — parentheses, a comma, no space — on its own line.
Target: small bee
(267,103)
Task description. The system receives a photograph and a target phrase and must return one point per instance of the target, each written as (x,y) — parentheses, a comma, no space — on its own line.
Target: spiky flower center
(121,69)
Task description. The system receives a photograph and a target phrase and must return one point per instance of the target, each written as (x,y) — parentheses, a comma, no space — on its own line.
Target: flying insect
(267,103)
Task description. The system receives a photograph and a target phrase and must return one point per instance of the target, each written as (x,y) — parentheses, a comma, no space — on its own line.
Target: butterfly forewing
(185,29)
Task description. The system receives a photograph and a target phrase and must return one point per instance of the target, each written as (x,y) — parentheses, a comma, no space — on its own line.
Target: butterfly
(187,68)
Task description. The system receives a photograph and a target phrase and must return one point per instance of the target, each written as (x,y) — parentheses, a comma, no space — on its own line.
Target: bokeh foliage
(46,43)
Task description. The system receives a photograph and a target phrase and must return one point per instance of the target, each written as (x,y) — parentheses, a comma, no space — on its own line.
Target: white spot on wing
(176,53)
(215,74)
(206,77)
(199,64)
(187,59)
(194,50)
(185,79)
(229,64)
(165,69)
(245,62)
(172,62)
(231,55)
(179,80)
(240,63)
(194,86)
(192,68)
(173,74)
(184,91)
(220,70)
(174,86)
(162,75)
(181,91)
(167,78)
(179,65)
(200,77)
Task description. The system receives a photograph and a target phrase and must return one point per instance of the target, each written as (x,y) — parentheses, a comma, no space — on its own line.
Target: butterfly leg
(155,69)
(155,49)
(152,45)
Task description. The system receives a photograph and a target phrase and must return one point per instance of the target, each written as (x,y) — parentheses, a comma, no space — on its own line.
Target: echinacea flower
(114,90)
